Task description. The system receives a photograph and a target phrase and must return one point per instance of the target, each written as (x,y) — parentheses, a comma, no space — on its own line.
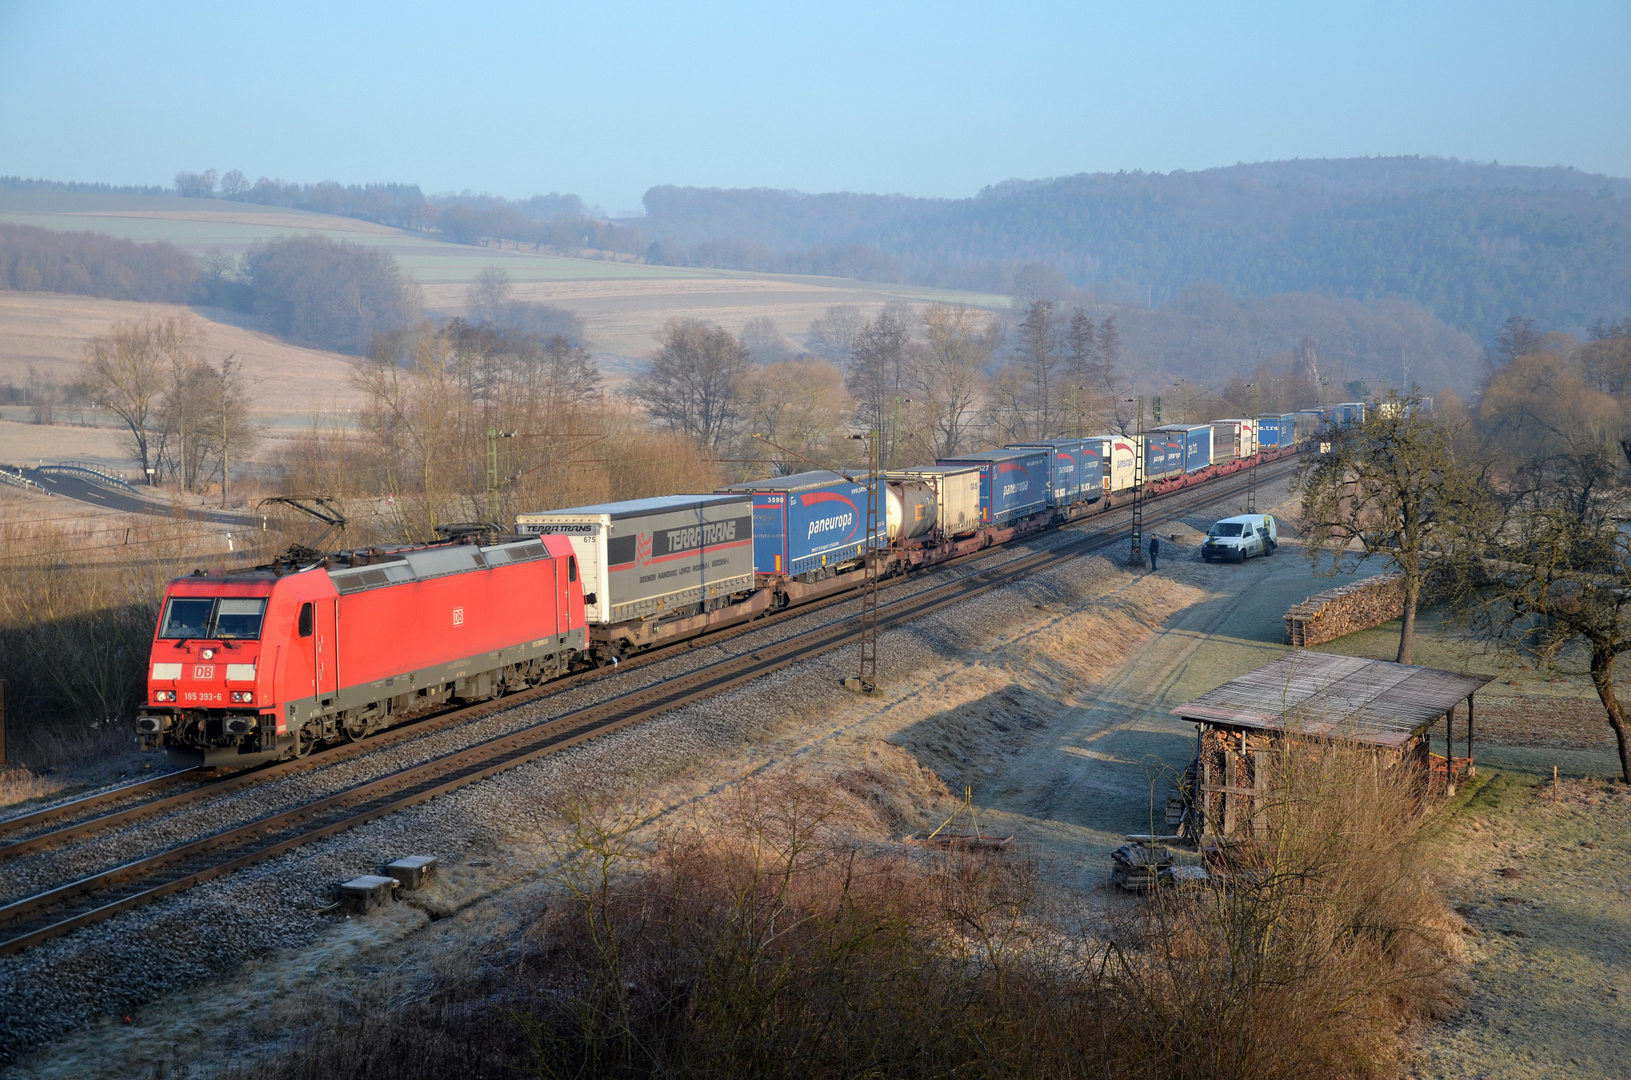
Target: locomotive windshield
(216,619)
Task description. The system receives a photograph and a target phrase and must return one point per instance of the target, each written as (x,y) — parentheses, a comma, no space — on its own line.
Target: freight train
(249,666)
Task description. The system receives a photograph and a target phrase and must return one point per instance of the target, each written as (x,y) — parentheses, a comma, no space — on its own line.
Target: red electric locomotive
(265,663)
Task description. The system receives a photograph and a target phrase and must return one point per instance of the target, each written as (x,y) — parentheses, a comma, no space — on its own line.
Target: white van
(1239,538)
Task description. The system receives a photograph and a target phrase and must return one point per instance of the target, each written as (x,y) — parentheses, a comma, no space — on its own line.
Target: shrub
(773,938)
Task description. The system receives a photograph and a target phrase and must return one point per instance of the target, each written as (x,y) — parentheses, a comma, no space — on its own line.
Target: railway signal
(1136,559)
(866,678)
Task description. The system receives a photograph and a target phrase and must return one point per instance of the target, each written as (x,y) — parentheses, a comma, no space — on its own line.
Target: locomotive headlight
(246,697)
(207,654)
(164,695)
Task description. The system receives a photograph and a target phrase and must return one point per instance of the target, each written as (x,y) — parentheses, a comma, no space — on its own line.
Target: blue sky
(608,99)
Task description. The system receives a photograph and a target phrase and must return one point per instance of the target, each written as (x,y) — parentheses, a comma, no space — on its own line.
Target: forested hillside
(1474,243)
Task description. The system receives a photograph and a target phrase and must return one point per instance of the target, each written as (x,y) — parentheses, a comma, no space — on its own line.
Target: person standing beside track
(1155,552)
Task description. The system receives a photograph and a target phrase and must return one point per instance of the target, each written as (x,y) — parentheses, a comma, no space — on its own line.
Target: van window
(305,619)
(1225,528)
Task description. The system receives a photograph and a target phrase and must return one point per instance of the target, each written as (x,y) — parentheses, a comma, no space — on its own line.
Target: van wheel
(1268,549)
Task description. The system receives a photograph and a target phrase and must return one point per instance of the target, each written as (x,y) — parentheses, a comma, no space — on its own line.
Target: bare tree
(42,394)
(764,342)
(182,443)
(802,405)
(196,185)
(233,184)
(126,370)
(947,371)
(832,333)
(233,431)
(695,383)
(1023,402)
(1392,485)
(876,372)
(1556,433)
(1090,390)
(489,294)
(1518,336)
(1550,585)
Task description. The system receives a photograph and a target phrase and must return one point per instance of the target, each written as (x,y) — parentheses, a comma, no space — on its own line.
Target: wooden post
(1260,800)
(1449,747)
(1469,731)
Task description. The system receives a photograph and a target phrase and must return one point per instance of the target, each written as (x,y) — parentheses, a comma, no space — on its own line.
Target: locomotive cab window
(187,618)
(224,618)
(305,619)
(571,568)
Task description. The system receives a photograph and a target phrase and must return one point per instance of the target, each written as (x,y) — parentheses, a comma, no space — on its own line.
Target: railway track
(31,835)
(61,910)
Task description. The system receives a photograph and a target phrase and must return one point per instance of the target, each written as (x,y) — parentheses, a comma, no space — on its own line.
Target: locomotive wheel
(354,728)
(303,742)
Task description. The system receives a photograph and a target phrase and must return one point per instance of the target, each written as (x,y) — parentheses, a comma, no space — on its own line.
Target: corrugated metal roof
(1374,701)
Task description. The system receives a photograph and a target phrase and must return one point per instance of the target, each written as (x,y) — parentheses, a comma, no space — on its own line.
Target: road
(83,490)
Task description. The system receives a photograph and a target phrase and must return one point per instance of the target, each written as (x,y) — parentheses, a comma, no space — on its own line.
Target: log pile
(1329,615)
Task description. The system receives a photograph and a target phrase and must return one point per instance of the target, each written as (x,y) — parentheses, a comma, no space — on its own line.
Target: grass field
(623,303)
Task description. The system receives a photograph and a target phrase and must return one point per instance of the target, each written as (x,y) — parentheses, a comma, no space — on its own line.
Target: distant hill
(1475,243)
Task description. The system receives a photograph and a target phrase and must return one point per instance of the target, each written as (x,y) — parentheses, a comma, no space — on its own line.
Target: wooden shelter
(1320,696)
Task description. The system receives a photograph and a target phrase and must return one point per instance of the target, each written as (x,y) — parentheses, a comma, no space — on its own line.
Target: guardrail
(89,472)
(18,480)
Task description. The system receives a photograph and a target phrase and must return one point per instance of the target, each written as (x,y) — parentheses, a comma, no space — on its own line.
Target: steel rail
(57,811)
(100,896)
(429,724)
(426,725)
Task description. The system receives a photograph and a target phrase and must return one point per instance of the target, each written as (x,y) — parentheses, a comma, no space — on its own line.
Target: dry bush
(1330,939)
(773,939)
(79,601)
(621,457)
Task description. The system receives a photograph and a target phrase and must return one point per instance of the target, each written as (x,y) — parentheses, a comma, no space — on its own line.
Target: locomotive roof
(815,478)
(636,507)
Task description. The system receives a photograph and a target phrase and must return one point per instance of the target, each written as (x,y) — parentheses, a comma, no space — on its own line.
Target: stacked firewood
(1329,615)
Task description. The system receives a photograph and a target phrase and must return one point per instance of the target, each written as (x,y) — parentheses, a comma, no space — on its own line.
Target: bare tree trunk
(1407,624)
(1602,677)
